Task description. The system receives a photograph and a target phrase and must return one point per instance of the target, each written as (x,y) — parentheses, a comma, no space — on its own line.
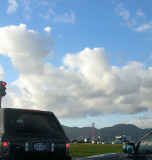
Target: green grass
(88,149)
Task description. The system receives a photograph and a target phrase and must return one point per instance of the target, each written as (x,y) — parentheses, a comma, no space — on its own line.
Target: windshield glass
(31,122)
(145,146)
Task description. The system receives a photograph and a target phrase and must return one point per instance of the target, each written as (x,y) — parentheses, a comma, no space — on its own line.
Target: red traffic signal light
(2,89)
(3,83)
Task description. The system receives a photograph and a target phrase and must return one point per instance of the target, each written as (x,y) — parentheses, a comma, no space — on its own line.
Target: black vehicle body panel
(31,146)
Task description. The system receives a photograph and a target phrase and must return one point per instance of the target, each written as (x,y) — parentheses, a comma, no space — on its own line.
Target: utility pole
(2,90)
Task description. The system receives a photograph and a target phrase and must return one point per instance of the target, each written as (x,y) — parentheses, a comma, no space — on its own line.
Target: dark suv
(31,134)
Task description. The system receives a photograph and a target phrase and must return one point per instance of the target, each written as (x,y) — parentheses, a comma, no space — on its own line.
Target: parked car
(74,141)
(80,141)
(142,150)
(87,140)
(117,142)
(113,142)
(106,142)
(31,134)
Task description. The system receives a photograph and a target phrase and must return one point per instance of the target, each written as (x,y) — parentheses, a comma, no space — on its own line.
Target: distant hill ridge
(106,133)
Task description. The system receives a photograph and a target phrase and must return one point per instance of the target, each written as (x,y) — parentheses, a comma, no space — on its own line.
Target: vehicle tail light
(67,148)
(67,145)
(5,148)
(5,144)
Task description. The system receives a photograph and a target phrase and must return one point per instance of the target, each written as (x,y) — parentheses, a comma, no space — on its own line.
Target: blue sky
(86,60)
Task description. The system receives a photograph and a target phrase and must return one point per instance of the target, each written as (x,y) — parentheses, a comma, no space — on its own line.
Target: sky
(88,61)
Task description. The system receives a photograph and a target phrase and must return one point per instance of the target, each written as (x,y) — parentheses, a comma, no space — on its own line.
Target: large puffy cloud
(86,84)
(113,90)
(26,48)
(93,65)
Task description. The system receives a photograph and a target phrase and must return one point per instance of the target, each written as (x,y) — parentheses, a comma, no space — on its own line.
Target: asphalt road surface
(76,158)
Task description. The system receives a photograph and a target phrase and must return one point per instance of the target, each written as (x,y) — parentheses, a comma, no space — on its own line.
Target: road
(76,158)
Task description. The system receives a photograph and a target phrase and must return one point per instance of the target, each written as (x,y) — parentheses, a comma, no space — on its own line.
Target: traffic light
(2,89)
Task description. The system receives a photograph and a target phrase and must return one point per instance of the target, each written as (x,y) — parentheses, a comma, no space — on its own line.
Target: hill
(106,133)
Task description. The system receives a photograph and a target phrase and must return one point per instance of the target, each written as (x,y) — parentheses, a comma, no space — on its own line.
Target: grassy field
(88,149)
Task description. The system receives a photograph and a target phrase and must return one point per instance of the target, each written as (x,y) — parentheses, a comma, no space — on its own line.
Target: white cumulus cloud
(24,47)
(86,84)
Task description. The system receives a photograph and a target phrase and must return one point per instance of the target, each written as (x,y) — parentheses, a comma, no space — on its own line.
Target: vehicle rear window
(31,122)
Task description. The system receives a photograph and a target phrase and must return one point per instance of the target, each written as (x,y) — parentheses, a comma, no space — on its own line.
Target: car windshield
(31,122)
(145,146)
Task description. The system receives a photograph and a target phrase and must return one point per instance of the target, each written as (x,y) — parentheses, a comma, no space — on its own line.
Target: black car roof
(22,109)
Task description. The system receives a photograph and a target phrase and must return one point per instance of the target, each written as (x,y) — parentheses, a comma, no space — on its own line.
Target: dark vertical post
(0,93)
(0,101)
